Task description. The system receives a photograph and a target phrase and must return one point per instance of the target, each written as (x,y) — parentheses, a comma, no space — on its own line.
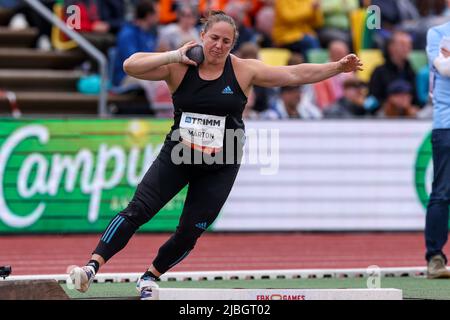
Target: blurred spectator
(290,105)
(249,113)
(336,21)
(248,50)
(250,7)
(10,4)
(89,16)
(330,90)
(432,13)
(168,9)
(253,9)
(397,66)
(174,35)
(36,20)
(286,106)
(139,36)
(393,14)
(446,13)
(308,105)
(294,25)
(96,30)
(430,8)
(423,85)
(264,26)
(399,101)
(352,102)
(237,10)
(260,98)
(112,12)
(337,49)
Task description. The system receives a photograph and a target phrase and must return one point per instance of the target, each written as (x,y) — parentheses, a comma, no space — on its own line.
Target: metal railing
(85,45)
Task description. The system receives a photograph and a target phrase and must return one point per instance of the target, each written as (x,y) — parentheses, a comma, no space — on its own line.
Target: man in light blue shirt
(436,227)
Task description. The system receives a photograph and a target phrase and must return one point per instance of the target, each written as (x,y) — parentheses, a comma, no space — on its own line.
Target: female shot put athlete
(209,100)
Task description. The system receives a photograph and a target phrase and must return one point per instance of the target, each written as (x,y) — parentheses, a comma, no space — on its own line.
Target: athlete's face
(218,41)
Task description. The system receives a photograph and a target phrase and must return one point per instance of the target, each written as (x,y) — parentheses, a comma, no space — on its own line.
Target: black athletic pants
(436,225)
(207,191)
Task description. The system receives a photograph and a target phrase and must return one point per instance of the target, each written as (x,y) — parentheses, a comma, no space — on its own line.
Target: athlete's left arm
(269,76)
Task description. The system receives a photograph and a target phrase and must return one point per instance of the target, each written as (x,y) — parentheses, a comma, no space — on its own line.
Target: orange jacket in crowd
(168,15)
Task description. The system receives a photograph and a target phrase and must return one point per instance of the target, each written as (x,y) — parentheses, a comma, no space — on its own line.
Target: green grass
(413,288)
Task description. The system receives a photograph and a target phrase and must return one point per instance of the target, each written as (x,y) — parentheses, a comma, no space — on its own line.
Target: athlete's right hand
(184,49)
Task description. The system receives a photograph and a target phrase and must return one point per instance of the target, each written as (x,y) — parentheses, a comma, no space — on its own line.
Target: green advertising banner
(75,175)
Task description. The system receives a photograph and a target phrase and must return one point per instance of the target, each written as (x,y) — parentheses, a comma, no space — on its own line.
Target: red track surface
(53,254)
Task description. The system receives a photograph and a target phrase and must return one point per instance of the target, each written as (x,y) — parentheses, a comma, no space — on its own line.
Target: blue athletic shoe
(145,286)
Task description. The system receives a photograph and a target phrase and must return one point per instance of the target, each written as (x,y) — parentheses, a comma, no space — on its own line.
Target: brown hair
(215,16)
(248,50)
(428,7)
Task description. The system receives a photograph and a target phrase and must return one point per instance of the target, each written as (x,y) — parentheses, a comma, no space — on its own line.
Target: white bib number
(202,131)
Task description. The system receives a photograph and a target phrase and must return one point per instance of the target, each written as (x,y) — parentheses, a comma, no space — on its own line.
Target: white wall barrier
(74,175)
(335,175)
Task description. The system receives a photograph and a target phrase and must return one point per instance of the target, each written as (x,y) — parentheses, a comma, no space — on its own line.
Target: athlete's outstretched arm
(154,65)
(268,76)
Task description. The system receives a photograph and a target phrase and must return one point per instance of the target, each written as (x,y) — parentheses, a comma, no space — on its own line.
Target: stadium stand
(45,82)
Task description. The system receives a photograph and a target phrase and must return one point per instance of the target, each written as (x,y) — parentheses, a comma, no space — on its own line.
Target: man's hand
(100,27)
(442,63)
(350,63)
(445,52)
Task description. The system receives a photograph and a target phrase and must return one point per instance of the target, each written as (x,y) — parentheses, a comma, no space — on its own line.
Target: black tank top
(220,97)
